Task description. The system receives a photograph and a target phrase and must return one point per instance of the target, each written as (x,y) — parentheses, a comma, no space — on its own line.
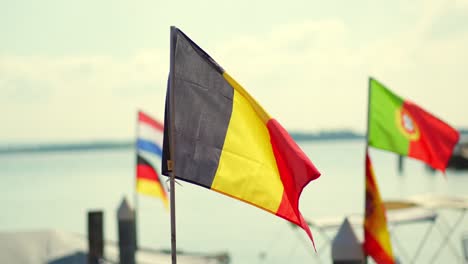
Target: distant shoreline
(328,135)
(127,144)
(65,147)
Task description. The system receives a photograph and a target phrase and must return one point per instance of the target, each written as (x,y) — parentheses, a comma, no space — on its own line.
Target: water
(55,190)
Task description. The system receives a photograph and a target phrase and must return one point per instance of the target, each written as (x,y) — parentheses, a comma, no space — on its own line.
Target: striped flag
(376,236)
(149,144)
(225,141)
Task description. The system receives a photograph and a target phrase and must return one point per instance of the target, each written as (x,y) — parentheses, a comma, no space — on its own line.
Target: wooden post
(95,236)
(400,164)
(465,246)
(135,228)
(135,193)
(126,226)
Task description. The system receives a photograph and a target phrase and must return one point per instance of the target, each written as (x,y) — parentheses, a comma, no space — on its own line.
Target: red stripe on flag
(370,172)
(437,139)
(142,117)
(372,247)
(377,242)
(147,172)
(295,170)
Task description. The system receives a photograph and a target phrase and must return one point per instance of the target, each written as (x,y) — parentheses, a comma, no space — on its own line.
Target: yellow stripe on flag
(247,166)
(152,188)
(376,236)
(264,116)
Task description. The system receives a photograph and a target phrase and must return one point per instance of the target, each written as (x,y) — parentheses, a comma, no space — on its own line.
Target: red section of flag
(147,172)
(142,117)
(296,171)
(377,242)
(378,253)
(437,139)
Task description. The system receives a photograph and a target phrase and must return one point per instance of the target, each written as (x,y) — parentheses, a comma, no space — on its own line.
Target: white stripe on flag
(149,133)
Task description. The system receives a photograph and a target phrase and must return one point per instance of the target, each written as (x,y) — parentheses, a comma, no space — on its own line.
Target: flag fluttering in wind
(225,141)
(376,236)
(402,127)
(148,144)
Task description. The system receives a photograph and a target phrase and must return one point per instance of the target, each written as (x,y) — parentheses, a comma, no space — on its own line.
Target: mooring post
(346,248)
(126,226)
(400,164)
(95,236)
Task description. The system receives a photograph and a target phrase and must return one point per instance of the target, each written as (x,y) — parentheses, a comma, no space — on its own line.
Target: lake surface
(55,190)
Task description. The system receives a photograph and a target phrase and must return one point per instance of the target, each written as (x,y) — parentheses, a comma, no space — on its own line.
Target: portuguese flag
(225,141)
(402,127)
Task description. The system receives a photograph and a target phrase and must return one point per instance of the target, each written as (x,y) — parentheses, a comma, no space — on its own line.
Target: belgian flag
(225,141)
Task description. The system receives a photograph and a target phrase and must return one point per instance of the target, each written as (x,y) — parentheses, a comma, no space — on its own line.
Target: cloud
(290,69)
(426,69)
(79,97)
(309,74)
(462,4)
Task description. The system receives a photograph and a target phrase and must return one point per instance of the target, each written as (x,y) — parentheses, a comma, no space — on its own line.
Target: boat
(418,209)
(459,159)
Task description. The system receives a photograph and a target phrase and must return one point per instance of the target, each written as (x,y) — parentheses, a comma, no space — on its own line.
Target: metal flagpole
(366,152)
(135,193)
(171,164)
(368,115)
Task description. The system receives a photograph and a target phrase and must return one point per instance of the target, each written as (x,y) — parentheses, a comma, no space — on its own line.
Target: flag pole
(135,193)
(368,114)
(171,166)
(366,154)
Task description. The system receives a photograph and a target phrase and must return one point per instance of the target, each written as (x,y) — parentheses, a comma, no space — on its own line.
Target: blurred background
(74,72)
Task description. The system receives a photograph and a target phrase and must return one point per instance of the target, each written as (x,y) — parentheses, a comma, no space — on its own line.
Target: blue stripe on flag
(149,146)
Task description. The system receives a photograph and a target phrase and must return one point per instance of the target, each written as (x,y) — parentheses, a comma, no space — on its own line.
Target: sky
(79,70)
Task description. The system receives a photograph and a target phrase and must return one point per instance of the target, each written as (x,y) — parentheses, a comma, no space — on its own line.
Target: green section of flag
(384,132)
